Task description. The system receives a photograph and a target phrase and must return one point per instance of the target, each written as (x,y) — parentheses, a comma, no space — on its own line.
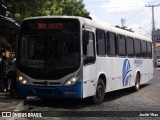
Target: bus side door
(89,62)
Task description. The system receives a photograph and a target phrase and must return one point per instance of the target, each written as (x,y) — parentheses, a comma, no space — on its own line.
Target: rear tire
(100,93)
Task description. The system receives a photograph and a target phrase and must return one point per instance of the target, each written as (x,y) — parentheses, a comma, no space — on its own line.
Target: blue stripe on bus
(50,91)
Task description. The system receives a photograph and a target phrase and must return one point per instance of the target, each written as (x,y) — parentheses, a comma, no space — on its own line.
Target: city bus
(76,57)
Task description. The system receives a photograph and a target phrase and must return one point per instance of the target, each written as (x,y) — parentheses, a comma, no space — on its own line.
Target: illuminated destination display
(50,25)
(46,26)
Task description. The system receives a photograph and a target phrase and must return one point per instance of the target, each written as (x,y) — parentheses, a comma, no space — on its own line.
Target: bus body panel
(113,68)
(89,80)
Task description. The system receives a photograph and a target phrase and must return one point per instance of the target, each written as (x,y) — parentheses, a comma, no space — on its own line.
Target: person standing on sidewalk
(1,82)
(2,77)
(12,76)
(4,72)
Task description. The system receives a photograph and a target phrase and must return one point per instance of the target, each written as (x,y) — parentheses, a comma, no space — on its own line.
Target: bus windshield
(53,51)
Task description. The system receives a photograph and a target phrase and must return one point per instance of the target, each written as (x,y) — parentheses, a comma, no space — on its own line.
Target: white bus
(75,57)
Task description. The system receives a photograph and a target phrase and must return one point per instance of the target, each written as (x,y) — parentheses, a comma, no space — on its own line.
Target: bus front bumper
(74,91)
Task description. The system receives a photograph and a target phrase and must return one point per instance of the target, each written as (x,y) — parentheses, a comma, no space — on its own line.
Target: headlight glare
(71,81)
(22,80)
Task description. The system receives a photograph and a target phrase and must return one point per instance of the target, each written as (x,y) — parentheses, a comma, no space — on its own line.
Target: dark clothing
(3,66)
(9,61)
(12,76)
(3,73)
(2,77)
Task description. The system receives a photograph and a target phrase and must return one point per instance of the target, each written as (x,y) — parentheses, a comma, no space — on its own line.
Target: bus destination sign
(49,26)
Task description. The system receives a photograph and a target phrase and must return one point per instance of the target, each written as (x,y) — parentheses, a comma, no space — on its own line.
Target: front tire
(100,92)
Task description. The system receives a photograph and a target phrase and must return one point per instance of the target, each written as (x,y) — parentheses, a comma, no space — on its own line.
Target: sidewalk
(8,103)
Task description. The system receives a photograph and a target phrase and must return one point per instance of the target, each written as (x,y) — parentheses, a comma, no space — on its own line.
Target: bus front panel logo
(126,72)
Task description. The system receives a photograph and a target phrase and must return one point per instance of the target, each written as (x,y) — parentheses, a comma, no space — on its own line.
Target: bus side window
(88,47)
(149,47)
(137,47)
(111,44)
(100,36)
(121,45)
(130,46)
(144,49)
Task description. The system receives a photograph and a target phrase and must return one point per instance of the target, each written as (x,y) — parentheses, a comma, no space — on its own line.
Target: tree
(124,28)
(21,9)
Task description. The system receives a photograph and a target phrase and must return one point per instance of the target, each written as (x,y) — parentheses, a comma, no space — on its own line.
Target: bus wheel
(137,83)
(100,92)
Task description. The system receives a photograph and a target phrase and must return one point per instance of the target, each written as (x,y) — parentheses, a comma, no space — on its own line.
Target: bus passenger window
(137,46)
(101,49)
(130,46)
(149,49)
(111,44)
(144,49)
(121,45)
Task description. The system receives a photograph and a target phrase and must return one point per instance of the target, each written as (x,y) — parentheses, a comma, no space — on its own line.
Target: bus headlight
(22,80)
(71,81)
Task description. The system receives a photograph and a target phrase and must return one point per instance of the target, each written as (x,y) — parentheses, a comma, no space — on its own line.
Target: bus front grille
(47,83)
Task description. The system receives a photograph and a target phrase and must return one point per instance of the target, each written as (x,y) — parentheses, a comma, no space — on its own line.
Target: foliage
(124,28)
(21,9)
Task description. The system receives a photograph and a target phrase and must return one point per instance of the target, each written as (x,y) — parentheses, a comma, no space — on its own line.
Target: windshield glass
(60,51)
(52,52)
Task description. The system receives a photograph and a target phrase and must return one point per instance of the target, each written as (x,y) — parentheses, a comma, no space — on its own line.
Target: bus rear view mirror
(85,41)
(89,59)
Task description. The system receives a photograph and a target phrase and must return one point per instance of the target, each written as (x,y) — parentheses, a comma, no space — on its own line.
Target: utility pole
(153,30)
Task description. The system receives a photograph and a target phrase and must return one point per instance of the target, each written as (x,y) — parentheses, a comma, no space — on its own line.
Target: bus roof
(95,24)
